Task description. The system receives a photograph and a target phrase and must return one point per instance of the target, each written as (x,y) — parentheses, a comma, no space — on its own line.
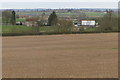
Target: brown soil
(61,56)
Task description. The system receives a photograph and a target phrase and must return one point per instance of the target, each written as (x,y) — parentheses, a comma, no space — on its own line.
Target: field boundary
(53,33)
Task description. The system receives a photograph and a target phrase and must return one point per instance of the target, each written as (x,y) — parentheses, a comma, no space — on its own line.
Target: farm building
(88,22)
(85,23)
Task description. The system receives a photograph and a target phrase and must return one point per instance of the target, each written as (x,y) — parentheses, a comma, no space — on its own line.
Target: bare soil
(61,56)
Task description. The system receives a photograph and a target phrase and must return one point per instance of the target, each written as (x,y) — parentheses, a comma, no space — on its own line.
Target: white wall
(91,23)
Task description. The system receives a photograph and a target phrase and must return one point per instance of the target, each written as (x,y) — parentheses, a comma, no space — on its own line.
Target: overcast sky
(59,4)
(60,0)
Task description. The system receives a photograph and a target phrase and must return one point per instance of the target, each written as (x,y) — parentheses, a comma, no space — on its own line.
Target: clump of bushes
(65,26)
(109,22)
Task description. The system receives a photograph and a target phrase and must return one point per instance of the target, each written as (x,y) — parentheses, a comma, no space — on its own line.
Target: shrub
(65,26)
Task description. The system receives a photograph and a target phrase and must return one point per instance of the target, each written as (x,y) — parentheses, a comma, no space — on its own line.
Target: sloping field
(61,56)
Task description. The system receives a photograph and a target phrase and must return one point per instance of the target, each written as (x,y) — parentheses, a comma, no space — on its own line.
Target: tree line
(109,22)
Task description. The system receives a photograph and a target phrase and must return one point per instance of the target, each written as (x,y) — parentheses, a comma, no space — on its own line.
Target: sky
(55,4)
(60,0)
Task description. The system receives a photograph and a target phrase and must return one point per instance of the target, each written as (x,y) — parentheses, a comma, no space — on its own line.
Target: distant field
(90,14)
(61,56)
(95,14)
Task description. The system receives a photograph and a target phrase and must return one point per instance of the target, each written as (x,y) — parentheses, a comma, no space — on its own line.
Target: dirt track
(61,56)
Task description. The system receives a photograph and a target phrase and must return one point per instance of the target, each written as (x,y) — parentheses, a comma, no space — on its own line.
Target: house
(31,21)
(86,23)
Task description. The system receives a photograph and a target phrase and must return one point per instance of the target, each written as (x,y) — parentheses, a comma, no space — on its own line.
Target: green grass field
(91,29)
(90,14)
(24,29)
(48,29)
(6,29)
(95,14)
(17,29)
(18,20)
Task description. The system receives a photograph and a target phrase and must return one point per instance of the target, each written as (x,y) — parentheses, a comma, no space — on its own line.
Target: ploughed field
(61,56)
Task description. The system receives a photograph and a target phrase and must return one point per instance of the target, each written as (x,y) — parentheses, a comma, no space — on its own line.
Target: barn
(88,23)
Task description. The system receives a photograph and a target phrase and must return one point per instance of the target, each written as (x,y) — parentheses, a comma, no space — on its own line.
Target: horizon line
(61,8)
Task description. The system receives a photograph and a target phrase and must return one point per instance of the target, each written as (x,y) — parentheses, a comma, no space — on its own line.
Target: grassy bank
(10,30)
(6,29)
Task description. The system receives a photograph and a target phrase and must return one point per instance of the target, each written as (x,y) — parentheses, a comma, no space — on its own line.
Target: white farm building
(88,22)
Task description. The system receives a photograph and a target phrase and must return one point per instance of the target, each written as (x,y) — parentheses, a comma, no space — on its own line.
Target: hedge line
(56,33)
